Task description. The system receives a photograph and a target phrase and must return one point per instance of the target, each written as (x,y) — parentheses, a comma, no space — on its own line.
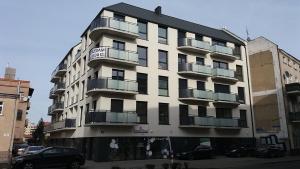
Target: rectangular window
(163,109)
(117,74)
(220,88)
(223,113)
(200,61)
(83,89)
(199,37)
(239,73)
(219,43)
(80,118)
(243,118)
(142,80)
(184,114)
(118,45)
(181,37)
(116,105)
(119,17)
(162,35)
(142,30)
(19,115)
(221,65)
(200,85)
(84,64)
(1,108)
(163,86)
(95,105)
(202,111)
(181,58)
(241,94)
(143,55)
(163,59)
(141,110)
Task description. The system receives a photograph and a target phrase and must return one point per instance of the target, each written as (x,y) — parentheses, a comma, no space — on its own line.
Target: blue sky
(36,34)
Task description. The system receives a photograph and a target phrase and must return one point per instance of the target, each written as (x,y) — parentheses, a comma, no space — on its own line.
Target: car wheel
(28,165)
(74,165)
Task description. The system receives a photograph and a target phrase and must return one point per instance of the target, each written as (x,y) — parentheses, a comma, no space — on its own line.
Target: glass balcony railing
(226,52)
(111,117)
(222,49)
(224,122)
(59,106)
(114,54)
(224,73)
(112,84)
(118,25)
(194,68)
(190,42)
(226,97)
(196,94)
(61,125)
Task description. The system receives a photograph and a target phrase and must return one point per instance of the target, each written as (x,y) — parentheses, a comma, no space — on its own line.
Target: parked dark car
(51,157)
(240,151)
(200,152)
(270,151)
(19,149)
(33,149)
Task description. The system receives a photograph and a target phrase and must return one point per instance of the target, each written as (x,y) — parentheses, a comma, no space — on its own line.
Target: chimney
(158,10)
(10,73)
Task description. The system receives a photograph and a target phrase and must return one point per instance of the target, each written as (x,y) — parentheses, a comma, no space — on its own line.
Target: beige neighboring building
(13,108)
(140,80)
(275,79)
(29,129)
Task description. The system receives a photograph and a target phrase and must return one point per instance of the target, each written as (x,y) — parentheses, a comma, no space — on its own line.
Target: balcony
(108,85)
(56,107)
(113,56)
(225,53)
(193,45)
(224,75)
(294,117)
(190,69)
(104,118)
(226,99)
(224,123)
(293,88)
(112,26)
(57,89)
(197,122)
(58,72)
(195,95)
(66,124)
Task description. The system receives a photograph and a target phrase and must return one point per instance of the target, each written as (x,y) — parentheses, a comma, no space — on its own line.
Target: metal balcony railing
(112,84)
(111,117)
(60,125)
(55,107)
(60,67)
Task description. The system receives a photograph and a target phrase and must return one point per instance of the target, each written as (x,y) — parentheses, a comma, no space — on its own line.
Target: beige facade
(13,107)
(273,70)
(84,99)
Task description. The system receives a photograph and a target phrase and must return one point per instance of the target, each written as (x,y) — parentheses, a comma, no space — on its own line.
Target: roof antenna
(247,32)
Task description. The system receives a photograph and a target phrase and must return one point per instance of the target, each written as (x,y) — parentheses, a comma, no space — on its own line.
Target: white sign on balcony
(98,52)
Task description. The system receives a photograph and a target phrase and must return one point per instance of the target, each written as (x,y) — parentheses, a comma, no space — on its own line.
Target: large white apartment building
(141,84)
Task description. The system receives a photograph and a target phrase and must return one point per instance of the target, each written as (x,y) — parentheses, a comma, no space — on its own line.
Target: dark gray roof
(147,15)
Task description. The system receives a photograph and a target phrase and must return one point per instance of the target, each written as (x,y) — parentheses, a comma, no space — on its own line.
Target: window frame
(141,58)
(163,116)
(161,86)
(182,58)
(116,105)
(142,113)
(241,100)
(119,44)
(1,107)
(160,63)
(239,75)
(142,80)
(145,34)
(117,77)
(162,39)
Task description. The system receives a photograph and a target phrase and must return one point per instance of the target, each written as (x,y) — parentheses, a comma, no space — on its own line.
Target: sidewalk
(217,163)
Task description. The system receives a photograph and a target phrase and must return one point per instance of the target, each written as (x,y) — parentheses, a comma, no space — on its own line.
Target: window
(220,88)
(142,80)
(1,108)
(184,114)
(241,94)
(239,73)
(221,65)
(199,61)
(117,74)
(199,37)
(83,89)
(181,38)
(200,85)
(163,86)
(118,45)
(141,110)
(163,113)
(80,118)
(181,59)
(143,55)
(219,43)
(162,35)
(95,105)
(119,17)
(142,30)
(183,84)
(116,105)
(84,64)
(19,115)
(223,113)
(243,118)
(202,112)
(163,59)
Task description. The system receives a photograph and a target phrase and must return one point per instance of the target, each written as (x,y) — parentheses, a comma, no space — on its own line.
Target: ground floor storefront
(140,148)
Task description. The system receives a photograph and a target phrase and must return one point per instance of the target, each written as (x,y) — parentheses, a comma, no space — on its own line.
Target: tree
(38,135)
